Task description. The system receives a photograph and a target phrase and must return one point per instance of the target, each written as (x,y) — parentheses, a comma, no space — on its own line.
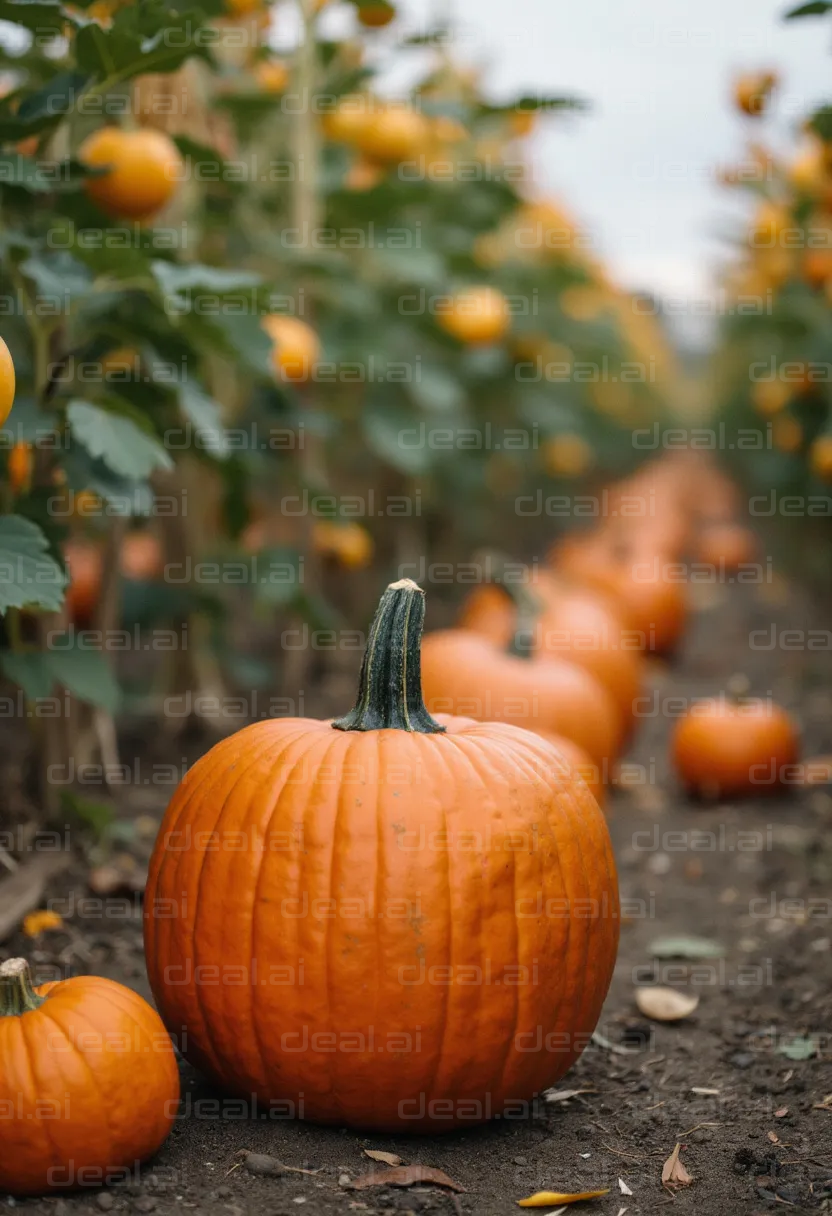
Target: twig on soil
(698,1125)
(618,1153)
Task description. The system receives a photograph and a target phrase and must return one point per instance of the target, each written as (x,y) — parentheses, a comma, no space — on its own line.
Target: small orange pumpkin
(464,673)
(85,563)
(363,951)
(651,603)
(570,622)
(728,546)
(88,1072)
(723,749)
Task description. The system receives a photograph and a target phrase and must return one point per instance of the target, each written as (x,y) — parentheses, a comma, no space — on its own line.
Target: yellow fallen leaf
(550,1199)
(38,922)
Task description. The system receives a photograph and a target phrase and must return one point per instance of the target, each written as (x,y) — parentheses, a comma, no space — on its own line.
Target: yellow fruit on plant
(362,175)
(145,167)
(768,223)
(476,316)
(6,382)
(806,172)
(121,363)
(820,457)
(787,433)
(350,543)
(752,91)
(243,8)
(296,347)
(21,463)
(817,266)
(351,117)
(374,14)
(394,134)
(771,396)
(567,455)
(272,76)
(522,123)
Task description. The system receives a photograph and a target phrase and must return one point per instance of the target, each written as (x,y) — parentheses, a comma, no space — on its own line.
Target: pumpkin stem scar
(17,996)
(390,684)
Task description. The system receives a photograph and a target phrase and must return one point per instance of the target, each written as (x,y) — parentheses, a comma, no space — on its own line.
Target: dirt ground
(755,878)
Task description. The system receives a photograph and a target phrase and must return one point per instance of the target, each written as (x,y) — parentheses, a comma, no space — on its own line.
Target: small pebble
(520,1160)
(344,1180)
(104,1200)
(145,1204)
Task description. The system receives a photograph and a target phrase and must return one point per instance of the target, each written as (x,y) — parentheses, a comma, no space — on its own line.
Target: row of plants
(269,326)
(773,364)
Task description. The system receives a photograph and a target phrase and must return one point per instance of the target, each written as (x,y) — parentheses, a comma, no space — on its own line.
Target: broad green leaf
(246,337)
(117,441)
(29,575)
(205,415)
(58,276)
(434,388)
(31,672)
(173,280)
(815,8)
(35,15)
(41,176)
(54,99)
(685,947)
(87,674)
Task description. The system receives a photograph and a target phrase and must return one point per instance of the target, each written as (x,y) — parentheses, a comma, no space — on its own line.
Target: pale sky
(638,168)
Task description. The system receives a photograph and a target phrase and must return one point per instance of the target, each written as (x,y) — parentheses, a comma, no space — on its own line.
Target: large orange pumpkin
(88,1082)
(568,621)
(385,921)
(723,749)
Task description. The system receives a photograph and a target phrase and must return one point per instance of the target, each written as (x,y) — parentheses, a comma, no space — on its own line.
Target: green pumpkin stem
(17,996)
(527,605)
(390,684)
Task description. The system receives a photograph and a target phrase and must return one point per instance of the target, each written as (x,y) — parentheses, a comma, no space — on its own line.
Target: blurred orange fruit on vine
(7,382)
(476,316)
(145,168)
(752,91)
(21,463)
(296,347)
(350,544)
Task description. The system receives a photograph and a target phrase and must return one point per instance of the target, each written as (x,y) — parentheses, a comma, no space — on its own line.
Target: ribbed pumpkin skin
(462,673)
(376,858)
(89,1086)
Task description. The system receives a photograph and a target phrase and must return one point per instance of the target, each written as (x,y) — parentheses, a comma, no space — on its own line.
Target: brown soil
(755,877)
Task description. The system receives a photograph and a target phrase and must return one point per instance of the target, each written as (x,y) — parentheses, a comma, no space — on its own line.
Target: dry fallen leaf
(773,1137)
(386,1158)
(674,1173)
(406,1175)
(547,1199)
(623,1188)
(665,1004)
(781,1113)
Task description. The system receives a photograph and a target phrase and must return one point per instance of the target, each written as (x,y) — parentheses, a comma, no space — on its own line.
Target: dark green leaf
(29,575)
(31,672)
(54,99)
(87,674)
(124,448)
(816,8)
(205,415)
